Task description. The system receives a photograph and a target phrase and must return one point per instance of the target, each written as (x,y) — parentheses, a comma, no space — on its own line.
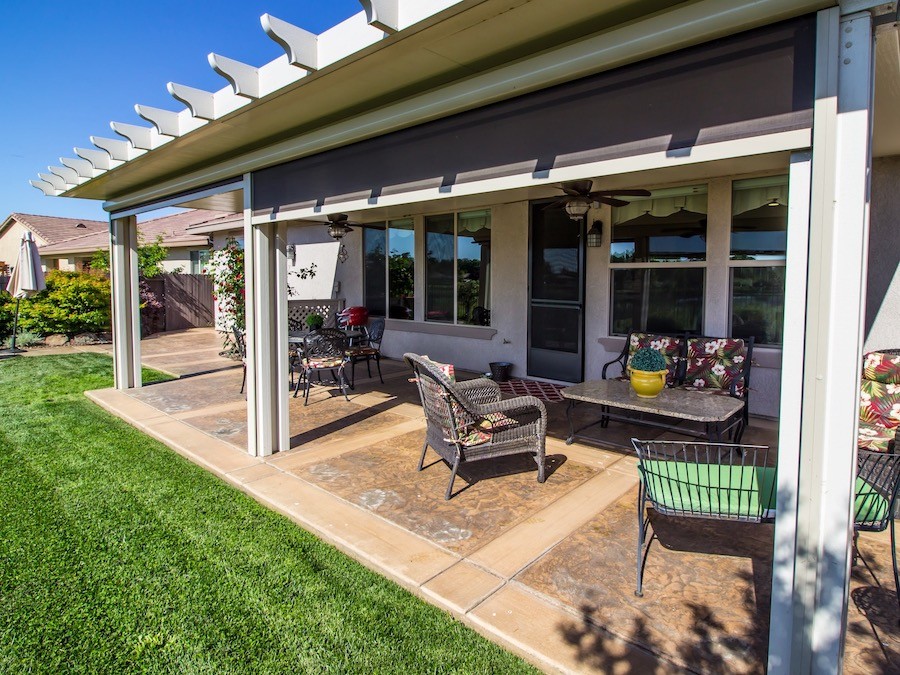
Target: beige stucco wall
(11,240)
(882,327)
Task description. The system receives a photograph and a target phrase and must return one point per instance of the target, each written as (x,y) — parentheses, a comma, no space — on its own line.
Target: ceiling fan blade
(558,204)
(581,187)
(621,193)
(573,192)
(612,201)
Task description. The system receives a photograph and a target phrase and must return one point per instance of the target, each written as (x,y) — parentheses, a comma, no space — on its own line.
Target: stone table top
(680,403)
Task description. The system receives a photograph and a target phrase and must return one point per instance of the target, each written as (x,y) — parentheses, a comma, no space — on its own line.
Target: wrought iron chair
(369,348)
(877,481)
(324,349)
(468,421)
(716,481)
(240,344)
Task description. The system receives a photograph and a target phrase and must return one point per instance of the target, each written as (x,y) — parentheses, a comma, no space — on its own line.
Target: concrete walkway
(545,570)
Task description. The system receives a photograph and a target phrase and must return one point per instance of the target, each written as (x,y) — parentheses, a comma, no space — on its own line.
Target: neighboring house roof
(174,230)
(53,230)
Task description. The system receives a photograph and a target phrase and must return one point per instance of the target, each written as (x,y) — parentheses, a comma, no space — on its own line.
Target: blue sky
(69,68)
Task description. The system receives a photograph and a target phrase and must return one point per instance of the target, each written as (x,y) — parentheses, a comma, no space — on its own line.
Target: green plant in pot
(647,370)
(315,321)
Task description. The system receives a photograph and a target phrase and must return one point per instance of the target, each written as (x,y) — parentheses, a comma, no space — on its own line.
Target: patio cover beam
(815,501)
(126,313)
(265,279)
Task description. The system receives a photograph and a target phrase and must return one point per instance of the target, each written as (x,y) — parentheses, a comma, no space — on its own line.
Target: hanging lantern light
(595,235)
(576,208)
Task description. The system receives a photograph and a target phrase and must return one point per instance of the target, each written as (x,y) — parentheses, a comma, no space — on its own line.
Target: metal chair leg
(342,378)
(452,478)
(378,365)
(894,559)
(369,366)
(642,532)
(244,380)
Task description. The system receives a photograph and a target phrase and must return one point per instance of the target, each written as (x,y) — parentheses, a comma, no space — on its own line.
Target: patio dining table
(717,414)
(296,337)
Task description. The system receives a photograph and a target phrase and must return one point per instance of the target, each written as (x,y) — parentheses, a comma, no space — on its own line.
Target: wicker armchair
(468,421)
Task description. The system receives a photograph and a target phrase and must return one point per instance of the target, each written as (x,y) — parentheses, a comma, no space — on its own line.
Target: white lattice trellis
(298,310)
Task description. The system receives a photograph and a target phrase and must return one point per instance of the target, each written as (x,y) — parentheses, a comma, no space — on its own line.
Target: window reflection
(757,303)
(374,246)
(473,268)
(759,218)
(401,268)
(439,242)
(659,300)
(668,226)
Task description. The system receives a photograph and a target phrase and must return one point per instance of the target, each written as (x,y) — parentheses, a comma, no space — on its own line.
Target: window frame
(385,226)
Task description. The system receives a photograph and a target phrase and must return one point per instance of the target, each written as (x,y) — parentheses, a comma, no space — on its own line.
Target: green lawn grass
(118,555)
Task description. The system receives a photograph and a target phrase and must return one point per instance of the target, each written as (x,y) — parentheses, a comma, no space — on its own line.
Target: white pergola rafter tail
(167,122)
(141,138)
(99,159)
(81,166)
(45,187)
(383,14)
(54,180)
(117,149)
(300,46)
(201,103)
(244,78)
(69,175)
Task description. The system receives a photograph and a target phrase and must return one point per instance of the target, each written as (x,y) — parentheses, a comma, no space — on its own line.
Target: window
(389,268)
(758,249)
(199,261)
(657,261)
(457,267)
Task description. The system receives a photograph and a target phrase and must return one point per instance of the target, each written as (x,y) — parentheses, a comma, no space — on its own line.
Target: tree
(150,257)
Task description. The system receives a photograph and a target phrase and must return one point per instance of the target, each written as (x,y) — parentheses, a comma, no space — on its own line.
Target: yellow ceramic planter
(648,384)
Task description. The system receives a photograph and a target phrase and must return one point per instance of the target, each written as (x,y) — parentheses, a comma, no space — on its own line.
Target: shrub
(7,314)
(74,302)
(315,321)
(648,359)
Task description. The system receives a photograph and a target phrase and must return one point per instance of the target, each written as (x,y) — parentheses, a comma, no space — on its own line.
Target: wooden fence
(187,298)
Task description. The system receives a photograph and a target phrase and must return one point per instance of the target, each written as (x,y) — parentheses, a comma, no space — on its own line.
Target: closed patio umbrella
(26,280)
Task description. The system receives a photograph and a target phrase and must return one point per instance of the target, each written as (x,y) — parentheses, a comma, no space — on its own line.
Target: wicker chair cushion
(881,367)
(669,347)
(716,363)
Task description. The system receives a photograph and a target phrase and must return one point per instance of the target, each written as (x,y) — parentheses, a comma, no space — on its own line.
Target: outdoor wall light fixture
(291,252)
(595,234)
(577,208)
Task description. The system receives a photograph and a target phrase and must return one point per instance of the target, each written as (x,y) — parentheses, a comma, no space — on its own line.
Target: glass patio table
(716,413)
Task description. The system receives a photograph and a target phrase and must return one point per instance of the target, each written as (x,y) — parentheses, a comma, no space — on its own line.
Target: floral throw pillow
(669,347)
(879,403)
(881,367)
(716,363)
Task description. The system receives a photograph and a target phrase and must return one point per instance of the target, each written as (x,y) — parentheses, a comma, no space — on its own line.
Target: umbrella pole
(13,350)
(12,345)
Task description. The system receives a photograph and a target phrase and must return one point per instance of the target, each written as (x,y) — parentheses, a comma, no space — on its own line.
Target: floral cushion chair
(879,401)
(720,366)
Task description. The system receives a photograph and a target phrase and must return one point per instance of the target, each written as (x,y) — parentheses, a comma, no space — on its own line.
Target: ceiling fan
(339,225)
(578,197)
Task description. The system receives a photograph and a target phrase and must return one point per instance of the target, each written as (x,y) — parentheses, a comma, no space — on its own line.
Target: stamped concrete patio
(547,570)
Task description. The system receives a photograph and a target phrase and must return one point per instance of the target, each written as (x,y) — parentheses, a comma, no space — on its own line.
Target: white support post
(126,313)
(265,278)
(811,639)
